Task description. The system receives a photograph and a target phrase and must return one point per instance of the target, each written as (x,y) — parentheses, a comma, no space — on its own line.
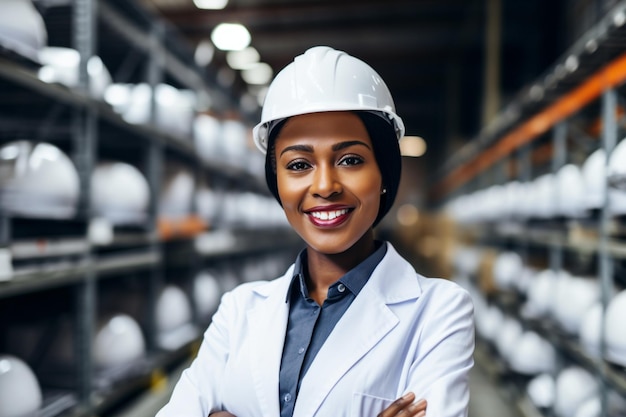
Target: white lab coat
(402,333)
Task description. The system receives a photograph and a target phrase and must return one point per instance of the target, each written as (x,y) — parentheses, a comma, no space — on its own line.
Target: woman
(350,329)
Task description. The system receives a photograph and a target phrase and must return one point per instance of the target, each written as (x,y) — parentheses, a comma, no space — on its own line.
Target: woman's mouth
(329,218)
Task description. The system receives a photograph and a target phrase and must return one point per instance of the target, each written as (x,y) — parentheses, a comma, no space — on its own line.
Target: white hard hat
(61,65)
(508,336)
(589,332)
(206,135)
(507,268)
(130,206)
(532,354)
(615,406)
(207,293)
(614,330)
(177,193)
(540,293)
(570,191)
(573,297)
(541,390)
(324,79)
(37,179)
(574,386)
(594,176)
(173,309)
(20,393)
(22,28)
(490,322)
(544,196)
(118,341)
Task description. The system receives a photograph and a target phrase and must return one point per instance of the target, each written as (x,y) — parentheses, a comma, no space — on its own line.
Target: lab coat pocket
(365,405)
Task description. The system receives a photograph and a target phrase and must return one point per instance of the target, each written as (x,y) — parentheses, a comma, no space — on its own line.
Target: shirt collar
(354,280)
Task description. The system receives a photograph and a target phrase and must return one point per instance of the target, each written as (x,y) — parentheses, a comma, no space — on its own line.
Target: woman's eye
(298,166)
(351,160)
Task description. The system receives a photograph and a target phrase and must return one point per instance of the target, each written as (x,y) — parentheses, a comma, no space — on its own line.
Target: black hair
(386,151)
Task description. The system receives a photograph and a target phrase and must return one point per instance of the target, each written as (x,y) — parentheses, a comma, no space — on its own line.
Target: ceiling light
(210,4)
(414,146)
(230,37)
(258,74)
(244,59)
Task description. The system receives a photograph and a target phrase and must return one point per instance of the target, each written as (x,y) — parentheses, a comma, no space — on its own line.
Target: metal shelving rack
(142,251)
(586,82)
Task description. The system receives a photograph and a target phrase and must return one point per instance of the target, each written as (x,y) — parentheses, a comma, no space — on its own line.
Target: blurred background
(132,196)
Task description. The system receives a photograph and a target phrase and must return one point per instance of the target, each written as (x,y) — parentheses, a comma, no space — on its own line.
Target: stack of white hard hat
(574,386)
(594,176)
(573,297)
(208,203)
(118,341)
(570,191)
(592,407)
(20,393)
(544,196)
(508,337)
(234,141)
(177,192)
(207,136)
(61,65)
(614,330)
(590,331)
(207,293)
(541,391)
(130,206)
(522,283)
(507,269)
(617,177)
(173,309)
(467,260)
(532,355)
(37,179)
(540,294)
(490,322)
(22,28)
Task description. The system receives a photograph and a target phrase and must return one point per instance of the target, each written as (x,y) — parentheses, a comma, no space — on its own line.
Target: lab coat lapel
(363,325)
(267,323)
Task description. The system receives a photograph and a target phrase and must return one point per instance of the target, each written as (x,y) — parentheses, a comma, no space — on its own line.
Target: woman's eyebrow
(347,144)
(301,148)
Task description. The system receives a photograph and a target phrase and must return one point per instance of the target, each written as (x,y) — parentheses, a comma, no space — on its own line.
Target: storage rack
(550,123)
(126,37)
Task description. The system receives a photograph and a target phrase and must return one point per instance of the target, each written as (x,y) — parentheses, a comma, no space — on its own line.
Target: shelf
(66,273)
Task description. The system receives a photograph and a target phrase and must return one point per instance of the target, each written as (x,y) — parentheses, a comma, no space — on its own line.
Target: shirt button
(341,288)
(287,398)
(301,350)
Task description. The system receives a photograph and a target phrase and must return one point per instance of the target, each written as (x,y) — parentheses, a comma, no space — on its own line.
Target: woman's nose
(325,182)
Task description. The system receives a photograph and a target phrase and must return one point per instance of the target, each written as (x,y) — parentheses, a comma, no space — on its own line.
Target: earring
(384,191)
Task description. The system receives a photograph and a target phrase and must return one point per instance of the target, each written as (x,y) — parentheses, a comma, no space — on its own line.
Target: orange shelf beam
(611,75)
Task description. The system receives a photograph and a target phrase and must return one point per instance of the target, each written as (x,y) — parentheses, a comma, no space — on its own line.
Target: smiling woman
(351,329)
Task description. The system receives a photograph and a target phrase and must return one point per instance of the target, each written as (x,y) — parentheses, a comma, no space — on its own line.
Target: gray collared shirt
(309,324)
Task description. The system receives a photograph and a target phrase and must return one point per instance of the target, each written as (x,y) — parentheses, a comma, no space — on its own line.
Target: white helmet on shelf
(540,294)
(570,190)
(507,268)
(573,297)
(37,179)
(130,206)
(589,332)
(177,193)
(308,85)
(118,341)
(173,309)
(508,336)
(61,65)
(207,293)
(594,176)
(532,354)
(541,391)
(544,196)
(206,135)
(20,393)
(22,28)
(574,386)
(490,322)
(614,330)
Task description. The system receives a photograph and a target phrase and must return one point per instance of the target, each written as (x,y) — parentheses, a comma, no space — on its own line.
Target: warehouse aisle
(485,401)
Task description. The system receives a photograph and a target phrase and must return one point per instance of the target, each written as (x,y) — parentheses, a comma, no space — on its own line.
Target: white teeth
(328,215)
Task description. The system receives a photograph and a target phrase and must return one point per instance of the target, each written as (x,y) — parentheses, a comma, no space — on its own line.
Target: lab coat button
(301,350)
(341,288)
(287,398)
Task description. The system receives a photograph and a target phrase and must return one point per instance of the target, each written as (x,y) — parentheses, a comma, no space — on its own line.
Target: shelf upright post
(84,132)
(154,74)
(559,140)
(605,261)
(524,176)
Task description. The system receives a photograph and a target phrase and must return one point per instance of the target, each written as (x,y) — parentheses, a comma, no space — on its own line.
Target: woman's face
(328,179)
